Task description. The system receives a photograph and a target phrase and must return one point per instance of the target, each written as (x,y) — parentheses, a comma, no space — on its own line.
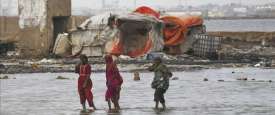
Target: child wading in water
(84,82)
(113,83)
(160,82)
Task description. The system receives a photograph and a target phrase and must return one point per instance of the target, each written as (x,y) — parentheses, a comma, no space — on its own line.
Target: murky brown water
(43,94)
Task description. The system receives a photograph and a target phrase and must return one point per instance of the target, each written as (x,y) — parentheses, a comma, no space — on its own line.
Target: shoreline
(98,66)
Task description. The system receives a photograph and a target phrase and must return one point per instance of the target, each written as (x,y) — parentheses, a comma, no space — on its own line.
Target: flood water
(262,25)
(43,94)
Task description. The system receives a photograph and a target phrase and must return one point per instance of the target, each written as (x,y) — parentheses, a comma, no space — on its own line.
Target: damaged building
(40,22)
(37,26)
(135,34)
(45,28)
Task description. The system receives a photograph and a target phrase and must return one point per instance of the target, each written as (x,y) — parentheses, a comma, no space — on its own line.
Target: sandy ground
(43,94)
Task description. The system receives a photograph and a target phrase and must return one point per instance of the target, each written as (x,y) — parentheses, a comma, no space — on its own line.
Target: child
(160,82)
(113,83)
(84,82)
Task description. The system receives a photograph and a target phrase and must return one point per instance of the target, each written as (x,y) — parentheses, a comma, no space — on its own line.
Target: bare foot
(156,108)
(84,111)
(113,111)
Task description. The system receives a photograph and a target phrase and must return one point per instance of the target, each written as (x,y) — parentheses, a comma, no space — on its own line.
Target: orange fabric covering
(117,49)
(176,34)
(192,21)
(147,11)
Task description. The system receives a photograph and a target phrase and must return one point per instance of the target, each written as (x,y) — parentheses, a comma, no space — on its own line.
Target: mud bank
(249,36)
(98,65)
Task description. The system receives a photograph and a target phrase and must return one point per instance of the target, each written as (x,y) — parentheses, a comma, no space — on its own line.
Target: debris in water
(5,77)
(205,79)
(175,78)
(2,66)
(270,81)
(221,80)
(253,79)
(136,76)
(243,78)
(34,66)
(261,81)
(233,71)
(257,65)
(61,77)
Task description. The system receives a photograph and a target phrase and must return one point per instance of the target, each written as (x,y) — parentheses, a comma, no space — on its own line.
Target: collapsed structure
(44,29)
(133,34)
(36,33)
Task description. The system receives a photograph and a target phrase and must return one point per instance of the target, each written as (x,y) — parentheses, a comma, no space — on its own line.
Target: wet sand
(43,94)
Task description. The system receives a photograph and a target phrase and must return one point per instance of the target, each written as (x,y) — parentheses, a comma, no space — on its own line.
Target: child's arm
(167,72)
(152,67)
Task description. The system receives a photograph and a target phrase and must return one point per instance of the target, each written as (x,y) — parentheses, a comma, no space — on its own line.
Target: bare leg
(84,107)
(157,105)
(164,106)
(109,104)
(93,105)
(116,104)
(117,98)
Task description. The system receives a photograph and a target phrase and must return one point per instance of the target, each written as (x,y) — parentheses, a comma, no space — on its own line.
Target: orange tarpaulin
(190,21)
(147,11)
(175,34)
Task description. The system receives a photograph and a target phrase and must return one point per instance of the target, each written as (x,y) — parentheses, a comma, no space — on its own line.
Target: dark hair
(110,20)
(83,59)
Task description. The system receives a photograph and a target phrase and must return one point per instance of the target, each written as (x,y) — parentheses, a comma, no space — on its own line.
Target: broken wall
(36,24)
(8,28)
(57,9)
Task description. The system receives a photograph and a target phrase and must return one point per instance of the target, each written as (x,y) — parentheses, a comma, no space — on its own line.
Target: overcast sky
(162,3)
(96,4)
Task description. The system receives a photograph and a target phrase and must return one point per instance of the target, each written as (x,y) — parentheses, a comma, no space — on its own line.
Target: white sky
(96,4)
(163,3)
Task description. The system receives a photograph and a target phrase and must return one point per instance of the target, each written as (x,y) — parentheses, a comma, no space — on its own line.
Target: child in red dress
(84,82)
(113,83)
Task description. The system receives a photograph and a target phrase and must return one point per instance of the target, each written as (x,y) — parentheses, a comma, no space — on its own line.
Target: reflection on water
(43,94)
(263,25)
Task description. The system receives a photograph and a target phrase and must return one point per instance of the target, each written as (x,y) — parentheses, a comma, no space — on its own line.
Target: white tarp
(95,35)
(96,22)
(85,40)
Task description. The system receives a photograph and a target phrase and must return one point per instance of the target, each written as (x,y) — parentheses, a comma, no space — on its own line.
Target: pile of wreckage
(139,33)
